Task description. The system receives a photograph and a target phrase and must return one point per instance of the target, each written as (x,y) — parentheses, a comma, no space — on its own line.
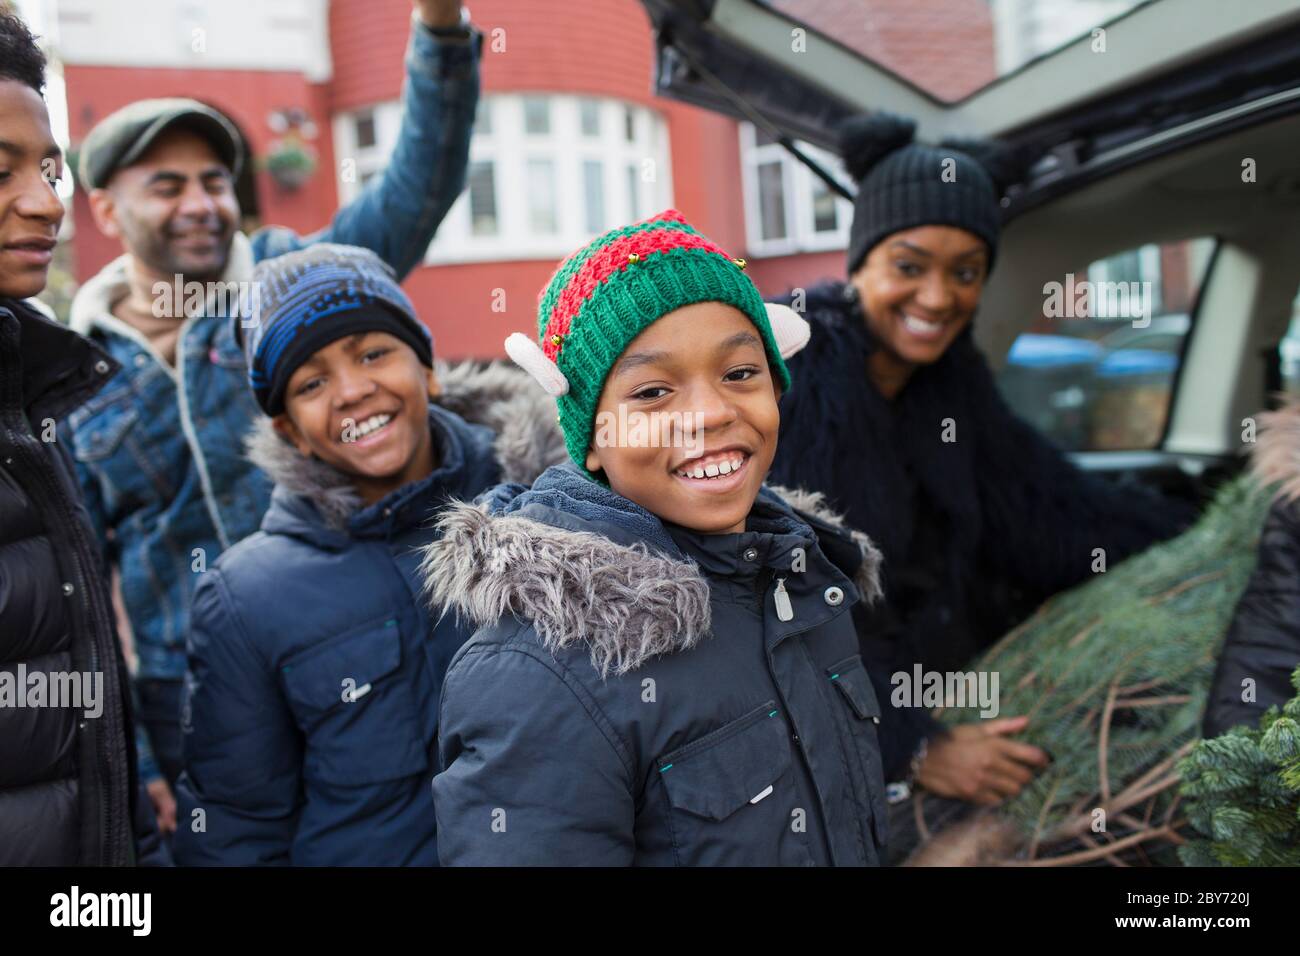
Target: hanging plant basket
(291,163)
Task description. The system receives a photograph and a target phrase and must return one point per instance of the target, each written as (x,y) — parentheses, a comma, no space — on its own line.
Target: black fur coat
(975,530)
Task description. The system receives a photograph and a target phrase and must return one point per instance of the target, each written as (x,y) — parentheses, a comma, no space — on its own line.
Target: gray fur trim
(867,579)
(324,485)
(625,603)
(497,395)
(508,401)
(1276,456)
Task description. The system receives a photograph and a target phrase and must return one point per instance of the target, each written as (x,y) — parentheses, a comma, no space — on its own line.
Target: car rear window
(1095,370)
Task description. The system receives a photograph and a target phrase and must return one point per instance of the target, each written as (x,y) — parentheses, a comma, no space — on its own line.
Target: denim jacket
(159,451)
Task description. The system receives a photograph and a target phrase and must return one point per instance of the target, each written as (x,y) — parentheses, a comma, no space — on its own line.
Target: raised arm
(398,212)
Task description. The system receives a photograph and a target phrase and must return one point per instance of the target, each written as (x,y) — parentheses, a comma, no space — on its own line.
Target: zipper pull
(784,611)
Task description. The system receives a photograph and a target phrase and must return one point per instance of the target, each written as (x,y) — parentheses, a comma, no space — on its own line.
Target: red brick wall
(943,46)
(1177,291)
(779,274)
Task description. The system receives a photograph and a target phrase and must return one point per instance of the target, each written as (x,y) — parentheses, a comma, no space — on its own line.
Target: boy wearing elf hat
(311,701)
(665,669)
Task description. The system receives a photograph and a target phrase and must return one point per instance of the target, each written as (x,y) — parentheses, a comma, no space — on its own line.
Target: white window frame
(1148,264)
(509,148)
(799,182)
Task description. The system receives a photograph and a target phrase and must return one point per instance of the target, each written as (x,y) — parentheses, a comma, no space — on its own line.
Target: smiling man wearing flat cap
(160,450)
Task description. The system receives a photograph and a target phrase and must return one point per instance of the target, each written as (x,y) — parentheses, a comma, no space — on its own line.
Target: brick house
(570,138)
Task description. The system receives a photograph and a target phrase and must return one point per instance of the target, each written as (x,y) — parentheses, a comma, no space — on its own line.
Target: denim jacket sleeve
(94,501)
(398,213)
(148,763)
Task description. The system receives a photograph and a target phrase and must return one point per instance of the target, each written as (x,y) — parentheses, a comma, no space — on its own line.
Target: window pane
(825,213)
(629,124)
(593,188)
(483,117)
(1289,353)
(1095,370)
(771,201)
(633,196)
(364,125)
(482,199)
(537,115)
(541,197)
(590,115)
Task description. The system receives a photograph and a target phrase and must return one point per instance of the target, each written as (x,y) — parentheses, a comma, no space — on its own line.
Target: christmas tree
(1243,792)
(1114,676)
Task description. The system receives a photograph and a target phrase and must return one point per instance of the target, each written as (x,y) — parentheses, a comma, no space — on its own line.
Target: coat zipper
(784,610)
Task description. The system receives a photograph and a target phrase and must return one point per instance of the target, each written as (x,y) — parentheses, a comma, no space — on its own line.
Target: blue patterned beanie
(307,299)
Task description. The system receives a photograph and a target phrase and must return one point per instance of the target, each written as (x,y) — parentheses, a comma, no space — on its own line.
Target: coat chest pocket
(356,708)
(854,685)
(132,453)
(98,434)
(730,794)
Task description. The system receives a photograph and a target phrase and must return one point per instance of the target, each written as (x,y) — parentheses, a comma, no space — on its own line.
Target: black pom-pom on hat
(866,139)
(902,184)
(1006,165)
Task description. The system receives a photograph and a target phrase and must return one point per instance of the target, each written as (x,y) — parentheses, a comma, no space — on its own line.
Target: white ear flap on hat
(529,356)
(790,329)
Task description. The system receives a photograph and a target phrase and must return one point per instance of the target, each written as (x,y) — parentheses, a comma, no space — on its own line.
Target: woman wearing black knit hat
(895,416)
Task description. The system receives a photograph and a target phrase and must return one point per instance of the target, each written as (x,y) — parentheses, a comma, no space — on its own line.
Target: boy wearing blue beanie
(311,700)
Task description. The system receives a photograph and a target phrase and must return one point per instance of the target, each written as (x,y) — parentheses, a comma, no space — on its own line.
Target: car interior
(1176,137)
(1229,366)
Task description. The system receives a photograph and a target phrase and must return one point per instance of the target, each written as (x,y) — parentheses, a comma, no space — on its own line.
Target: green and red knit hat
(609,291)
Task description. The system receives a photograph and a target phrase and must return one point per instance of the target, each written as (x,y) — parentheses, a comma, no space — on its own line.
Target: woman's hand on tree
(978,763)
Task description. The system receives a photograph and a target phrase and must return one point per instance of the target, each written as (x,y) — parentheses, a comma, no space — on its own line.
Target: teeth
(371,424)
(713,469)
(921,326)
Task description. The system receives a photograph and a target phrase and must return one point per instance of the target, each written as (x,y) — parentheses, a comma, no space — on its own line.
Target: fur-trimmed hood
(498,396)
(1275,459)
(616,584)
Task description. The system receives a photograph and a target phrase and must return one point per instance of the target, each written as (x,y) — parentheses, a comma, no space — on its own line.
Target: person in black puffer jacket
(896,418)
(1263,643)
(68,790)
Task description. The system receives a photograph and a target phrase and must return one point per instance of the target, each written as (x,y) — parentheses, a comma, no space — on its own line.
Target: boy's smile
(361,405)
(704,364)
(716,472)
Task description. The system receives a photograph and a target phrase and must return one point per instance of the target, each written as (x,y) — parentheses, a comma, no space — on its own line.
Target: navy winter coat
(315,664)
(633,696)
